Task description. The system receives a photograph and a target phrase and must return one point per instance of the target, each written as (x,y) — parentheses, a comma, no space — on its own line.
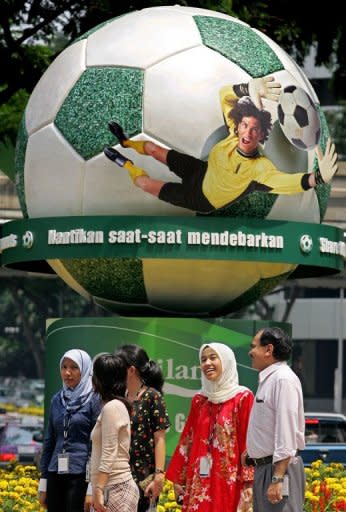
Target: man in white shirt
(276,426)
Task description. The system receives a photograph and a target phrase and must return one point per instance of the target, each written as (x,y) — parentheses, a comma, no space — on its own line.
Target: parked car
(6,395)
(3,417)
(20,443)
(325,438)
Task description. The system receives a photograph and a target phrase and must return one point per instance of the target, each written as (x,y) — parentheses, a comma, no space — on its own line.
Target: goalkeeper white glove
(327,163)
(264,87)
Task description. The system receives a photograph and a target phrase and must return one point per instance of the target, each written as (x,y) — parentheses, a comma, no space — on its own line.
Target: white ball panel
(53,87)
(288,103)
(195,11)
(54,175)
(301,99)
(181,98)
(296,207)
(169,282)
(141,39)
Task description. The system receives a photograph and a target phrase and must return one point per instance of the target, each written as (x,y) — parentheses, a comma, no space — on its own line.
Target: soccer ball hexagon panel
(157,72)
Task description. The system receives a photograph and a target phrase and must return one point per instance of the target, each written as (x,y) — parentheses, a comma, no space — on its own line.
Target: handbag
(144,483)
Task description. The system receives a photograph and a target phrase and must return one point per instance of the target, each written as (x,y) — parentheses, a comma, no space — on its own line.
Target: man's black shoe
(115,156)
(117,130)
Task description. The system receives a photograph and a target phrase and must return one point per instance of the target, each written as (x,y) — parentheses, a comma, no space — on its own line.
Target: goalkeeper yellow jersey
(230,175)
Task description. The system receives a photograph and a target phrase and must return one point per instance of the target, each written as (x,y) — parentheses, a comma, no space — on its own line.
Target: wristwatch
(277,479)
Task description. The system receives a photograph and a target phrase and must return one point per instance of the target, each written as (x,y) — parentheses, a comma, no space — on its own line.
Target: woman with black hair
(111,478)
(149,422)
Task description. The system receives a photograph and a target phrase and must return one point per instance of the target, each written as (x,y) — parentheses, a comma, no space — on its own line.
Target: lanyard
(66,424)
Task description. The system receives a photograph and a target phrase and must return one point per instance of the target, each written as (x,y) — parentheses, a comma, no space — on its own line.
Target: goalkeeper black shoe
(115,156)
(117,130)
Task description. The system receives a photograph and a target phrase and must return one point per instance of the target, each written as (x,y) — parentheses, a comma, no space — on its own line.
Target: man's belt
(258,462)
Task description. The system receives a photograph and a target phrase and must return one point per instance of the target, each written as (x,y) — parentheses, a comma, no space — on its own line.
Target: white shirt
(276,425)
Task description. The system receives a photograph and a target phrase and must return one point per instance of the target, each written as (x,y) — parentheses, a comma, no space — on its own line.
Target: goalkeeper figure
(235,168)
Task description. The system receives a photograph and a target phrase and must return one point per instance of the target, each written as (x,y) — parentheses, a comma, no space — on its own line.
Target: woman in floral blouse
(206,465)
(149,421)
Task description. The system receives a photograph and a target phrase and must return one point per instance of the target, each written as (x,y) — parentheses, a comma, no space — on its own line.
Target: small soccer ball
(306,243)
(158,73)
(299,118)
(28,240)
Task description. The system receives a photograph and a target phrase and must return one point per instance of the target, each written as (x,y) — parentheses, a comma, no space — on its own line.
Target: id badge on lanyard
(63,463)
(87,471)
(205,464)
(206,461)
(64,458)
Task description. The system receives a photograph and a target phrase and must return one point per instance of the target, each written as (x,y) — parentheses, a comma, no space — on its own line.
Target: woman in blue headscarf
(66,447)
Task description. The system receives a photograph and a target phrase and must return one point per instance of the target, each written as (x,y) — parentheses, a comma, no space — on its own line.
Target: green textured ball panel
(19,162)
(99,95)
(113,279)
(240,44)
(322,191)
(256,205)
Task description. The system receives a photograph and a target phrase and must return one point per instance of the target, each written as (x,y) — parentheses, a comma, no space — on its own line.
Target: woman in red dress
(205,468)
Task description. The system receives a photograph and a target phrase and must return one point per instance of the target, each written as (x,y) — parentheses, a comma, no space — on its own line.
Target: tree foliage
(25,305)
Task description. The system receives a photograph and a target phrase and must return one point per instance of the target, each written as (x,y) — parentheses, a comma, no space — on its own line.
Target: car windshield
(318,431)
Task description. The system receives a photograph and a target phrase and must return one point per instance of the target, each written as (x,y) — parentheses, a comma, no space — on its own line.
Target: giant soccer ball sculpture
(157,72)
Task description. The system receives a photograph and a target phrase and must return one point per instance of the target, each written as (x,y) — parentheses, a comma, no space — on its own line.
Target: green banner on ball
(172,238)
